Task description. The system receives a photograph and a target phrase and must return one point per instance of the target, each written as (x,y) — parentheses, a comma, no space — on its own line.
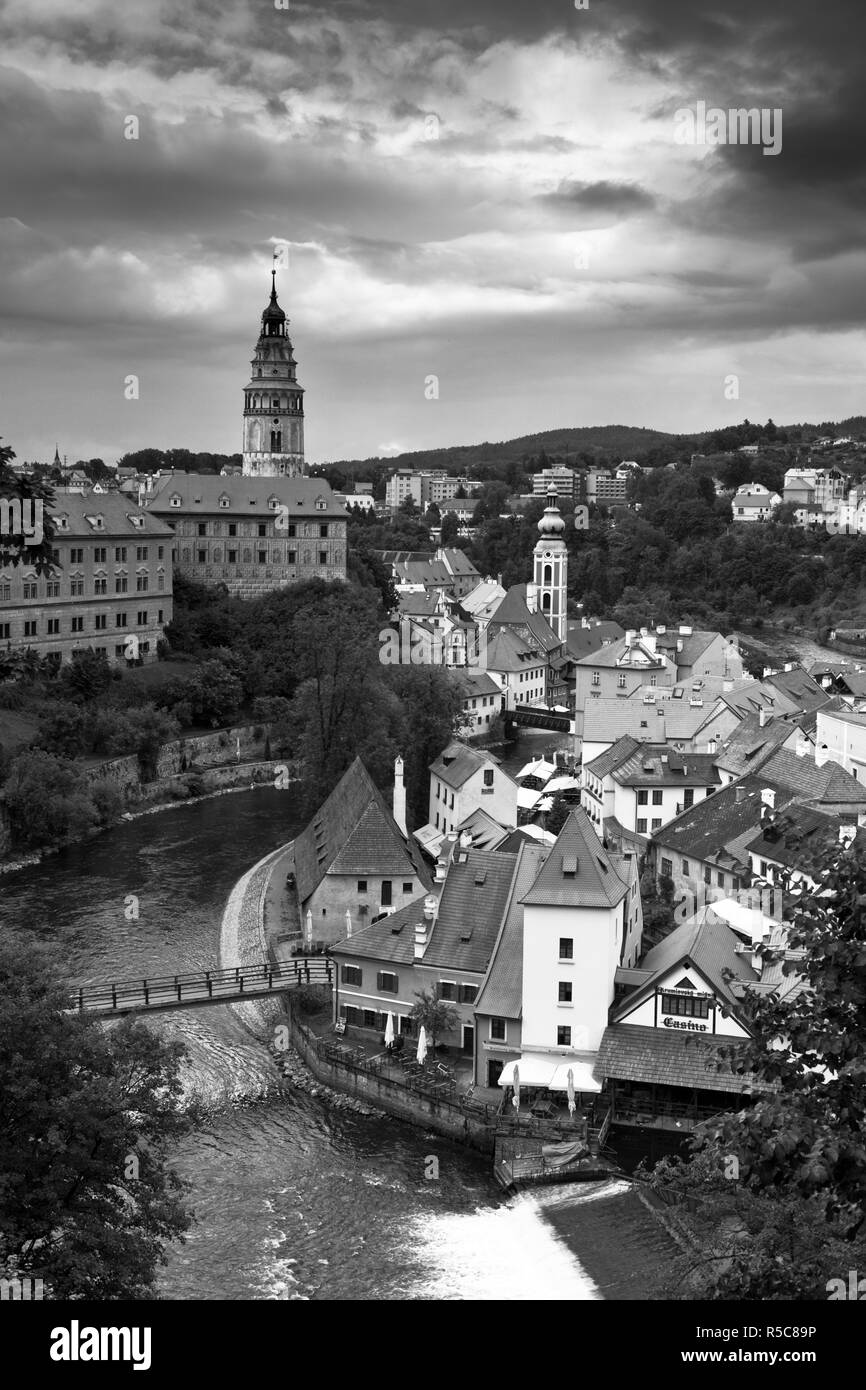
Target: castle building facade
(252,534)
(273,444)
(109,590)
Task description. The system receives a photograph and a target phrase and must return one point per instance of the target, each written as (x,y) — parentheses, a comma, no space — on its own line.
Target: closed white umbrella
(389,1030)
(349,927)
(570,1091)
(422,1044)
(515,1099)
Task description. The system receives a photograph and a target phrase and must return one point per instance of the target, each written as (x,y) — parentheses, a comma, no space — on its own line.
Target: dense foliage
(778,1189)
(88,1117)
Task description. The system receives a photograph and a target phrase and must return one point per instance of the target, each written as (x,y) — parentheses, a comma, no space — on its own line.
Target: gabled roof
(652,765)
(354,832)
(472,682)
(469,914)
(485,831)
(669,721)
(799,686)
(582,641)
(579,871)
(749,746)
(116,510)
(513,612)
(613,757)
(501,994)
(200,493)
(788,838)
(508,651)
(420,605)
(458,762)
(710,945)
(829,784)
(711,831)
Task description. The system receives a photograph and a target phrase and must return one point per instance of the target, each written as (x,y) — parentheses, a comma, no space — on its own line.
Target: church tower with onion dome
(274,402)
(550,572)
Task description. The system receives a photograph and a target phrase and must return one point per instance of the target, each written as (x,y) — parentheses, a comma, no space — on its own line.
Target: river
(293,1199)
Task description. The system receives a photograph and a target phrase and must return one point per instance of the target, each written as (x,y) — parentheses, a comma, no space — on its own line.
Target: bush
(108,801)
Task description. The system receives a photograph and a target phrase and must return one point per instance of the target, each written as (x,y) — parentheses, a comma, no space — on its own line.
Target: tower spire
(273,400)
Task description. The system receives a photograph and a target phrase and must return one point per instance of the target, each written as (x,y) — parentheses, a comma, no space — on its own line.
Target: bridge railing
(196,985)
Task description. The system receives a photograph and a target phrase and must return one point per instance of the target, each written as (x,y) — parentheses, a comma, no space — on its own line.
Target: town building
(693,726)
(635,788)
(273,435)
(354,858)
(754,502)
(442,944)
(582,921)
(448,570)
(841,738)
(463,779)
(426,488)
(559,481)
(252,534)
(109,590)
(482,701)
(661,1056)
(605,489)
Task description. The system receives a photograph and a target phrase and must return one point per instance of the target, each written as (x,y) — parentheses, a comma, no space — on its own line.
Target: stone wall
(216,754)
(400,1101)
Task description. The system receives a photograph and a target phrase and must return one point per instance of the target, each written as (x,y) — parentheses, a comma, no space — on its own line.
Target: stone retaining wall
(400,1101)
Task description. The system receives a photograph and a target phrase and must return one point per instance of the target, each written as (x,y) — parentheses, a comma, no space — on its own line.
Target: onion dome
(551,524)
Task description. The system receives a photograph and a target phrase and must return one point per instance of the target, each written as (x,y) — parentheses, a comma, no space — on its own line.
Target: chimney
(631,637)
(762,716)
(679,644)
(399,796)
(740,795)
(466,841)
(661,629)
(768,798)
(789,665)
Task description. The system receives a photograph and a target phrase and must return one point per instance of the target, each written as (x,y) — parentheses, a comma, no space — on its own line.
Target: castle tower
(550,572)
(273,402)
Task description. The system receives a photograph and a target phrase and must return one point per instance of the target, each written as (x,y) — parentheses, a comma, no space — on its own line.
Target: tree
(343,708)
(793,1218)
(86,677)
(89,1118)
(436,1016)
(450,529)
(47,800)
(432,705)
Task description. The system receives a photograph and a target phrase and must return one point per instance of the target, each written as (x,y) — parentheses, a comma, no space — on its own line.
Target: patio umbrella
(515,1099)
(309,927)
(349,928)
(422,1044)
(570,1079)
(389,1030)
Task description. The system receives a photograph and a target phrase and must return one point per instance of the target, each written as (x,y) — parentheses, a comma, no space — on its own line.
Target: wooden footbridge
(198,988)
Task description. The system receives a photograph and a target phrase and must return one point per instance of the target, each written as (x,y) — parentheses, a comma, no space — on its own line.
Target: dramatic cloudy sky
(554,257)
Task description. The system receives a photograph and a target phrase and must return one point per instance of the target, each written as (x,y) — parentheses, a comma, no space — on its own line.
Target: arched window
(276,441)
(548,574)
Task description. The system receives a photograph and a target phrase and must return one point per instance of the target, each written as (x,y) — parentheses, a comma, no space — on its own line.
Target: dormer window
(273,502)
(174,500)
(321,504)
(225,500)
(61,522)
(97,522)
